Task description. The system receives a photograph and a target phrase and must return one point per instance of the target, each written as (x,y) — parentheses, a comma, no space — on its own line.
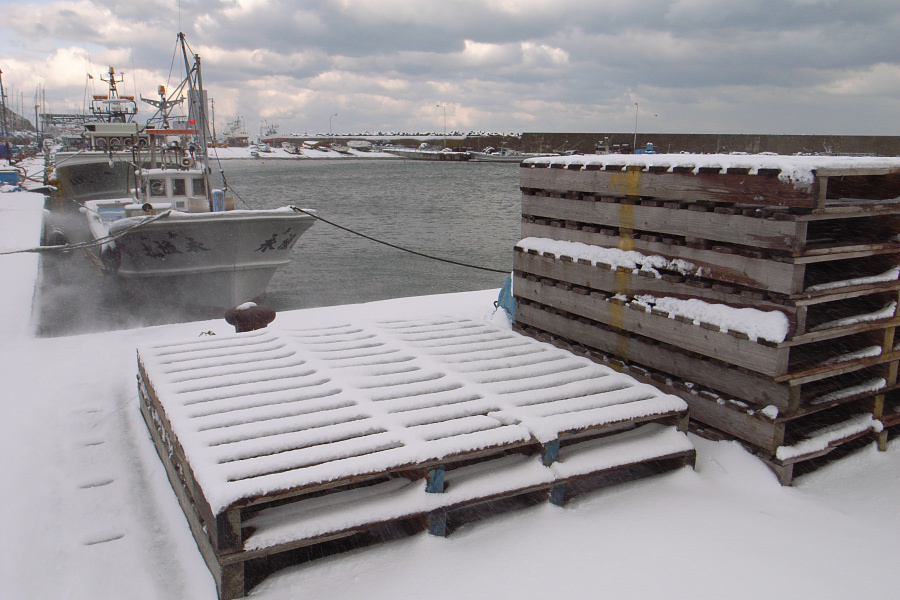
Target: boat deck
(278,439)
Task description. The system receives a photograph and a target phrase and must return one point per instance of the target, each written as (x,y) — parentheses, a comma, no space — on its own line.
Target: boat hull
(496,158)
(434,155)
(207,260)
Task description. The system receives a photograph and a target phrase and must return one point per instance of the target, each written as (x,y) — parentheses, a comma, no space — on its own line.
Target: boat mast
(3,122)
(196,99)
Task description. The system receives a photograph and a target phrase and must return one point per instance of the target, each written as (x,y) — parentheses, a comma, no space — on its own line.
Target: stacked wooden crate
(650,262)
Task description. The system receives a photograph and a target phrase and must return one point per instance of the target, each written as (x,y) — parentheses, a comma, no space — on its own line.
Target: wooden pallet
(807,312)
(821,183)
(790,375)
(275,441)
(748,268)
(798,234)
(783,441)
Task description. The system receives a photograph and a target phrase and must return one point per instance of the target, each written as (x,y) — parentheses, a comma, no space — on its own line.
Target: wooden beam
(768,360)
(734,229)
(686,187)
(734,382)
(760,273)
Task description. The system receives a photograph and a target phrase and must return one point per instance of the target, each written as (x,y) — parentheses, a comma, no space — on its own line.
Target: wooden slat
(735,229)
(767,360)
(229,579)
(763,274)
(739,384)
(210,520)
(731,188)
(620,282)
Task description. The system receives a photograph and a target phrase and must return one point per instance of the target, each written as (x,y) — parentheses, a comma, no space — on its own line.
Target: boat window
(157,187)
(199,187)
(178,187)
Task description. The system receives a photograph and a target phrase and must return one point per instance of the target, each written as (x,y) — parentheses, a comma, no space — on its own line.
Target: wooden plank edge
(224,579)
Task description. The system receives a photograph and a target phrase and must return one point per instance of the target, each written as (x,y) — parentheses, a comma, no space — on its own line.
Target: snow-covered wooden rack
(276,440)
(650,259)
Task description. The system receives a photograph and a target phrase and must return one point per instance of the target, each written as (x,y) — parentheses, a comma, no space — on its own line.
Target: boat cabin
(176,189)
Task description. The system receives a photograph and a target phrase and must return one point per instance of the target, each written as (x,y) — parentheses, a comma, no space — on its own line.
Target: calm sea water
(467,212)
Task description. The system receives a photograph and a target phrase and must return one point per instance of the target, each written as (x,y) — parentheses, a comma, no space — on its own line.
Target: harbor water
(459,211)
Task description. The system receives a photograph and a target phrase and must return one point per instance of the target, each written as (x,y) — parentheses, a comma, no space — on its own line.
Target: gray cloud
(770,66)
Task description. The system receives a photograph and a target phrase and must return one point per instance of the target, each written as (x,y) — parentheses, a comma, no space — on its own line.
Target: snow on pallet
(770,283)
(279,439)
(766,180)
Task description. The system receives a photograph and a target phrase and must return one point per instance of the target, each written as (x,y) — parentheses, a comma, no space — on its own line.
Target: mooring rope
(92,243)
(396,247)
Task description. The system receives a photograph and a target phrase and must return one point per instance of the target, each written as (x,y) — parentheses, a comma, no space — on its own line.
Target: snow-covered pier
(768,282)
(87,510)
(280,440)
(21,227)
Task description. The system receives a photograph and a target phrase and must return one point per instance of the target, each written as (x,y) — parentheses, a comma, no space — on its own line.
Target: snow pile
(888,311)
(21,224)
(615,258)
(889,275)
(772,326)
(871,385)
(867,352)
(827,436)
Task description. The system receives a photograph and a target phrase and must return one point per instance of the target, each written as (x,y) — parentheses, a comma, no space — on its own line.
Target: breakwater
(586,142)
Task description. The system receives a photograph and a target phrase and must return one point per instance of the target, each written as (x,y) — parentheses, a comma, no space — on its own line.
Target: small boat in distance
(504,155)
(423,152)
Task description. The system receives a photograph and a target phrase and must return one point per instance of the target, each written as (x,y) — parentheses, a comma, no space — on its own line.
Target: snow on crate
(613,257)
(772,325)
(799,171)
(827,436)
(273,410)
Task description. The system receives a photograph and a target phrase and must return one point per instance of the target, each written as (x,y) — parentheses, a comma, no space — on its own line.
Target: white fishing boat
(177,238)
(423,152)
(504,155)
(99,164)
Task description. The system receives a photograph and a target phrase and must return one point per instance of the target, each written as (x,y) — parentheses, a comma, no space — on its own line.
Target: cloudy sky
(704,66)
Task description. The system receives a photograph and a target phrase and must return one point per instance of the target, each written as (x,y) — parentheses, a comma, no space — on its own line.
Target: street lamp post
(329,127)
(445,123)
(634,143)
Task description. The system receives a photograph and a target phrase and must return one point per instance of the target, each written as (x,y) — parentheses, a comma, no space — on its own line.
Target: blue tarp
(506,300)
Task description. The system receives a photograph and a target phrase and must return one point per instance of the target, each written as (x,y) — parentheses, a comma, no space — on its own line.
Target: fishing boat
(504,155)
(176,237)
(99,164)
(423,152)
